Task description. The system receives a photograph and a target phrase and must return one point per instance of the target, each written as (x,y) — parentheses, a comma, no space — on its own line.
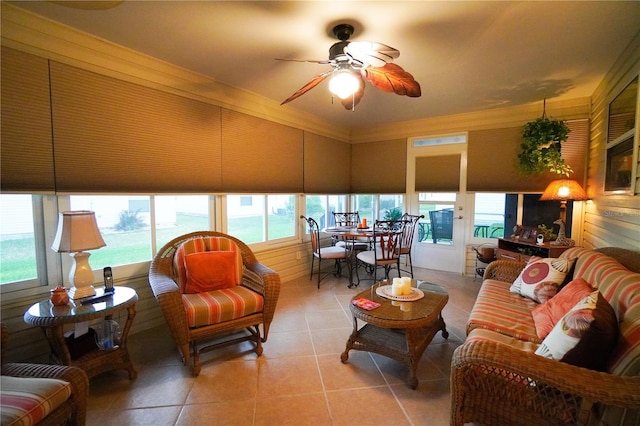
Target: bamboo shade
(327,165)
(493,159)
(379,167)
(260,156)
(115,136)
(439,173)
(27,150)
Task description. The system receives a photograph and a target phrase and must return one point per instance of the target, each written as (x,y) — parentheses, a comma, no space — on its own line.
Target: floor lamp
(78,231)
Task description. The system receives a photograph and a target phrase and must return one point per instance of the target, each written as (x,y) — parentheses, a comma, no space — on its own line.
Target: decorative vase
(59,296)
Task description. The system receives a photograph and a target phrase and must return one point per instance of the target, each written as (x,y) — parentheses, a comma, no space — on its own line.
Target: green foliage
(393,214)
(541,147)
(129,221)
(548,233)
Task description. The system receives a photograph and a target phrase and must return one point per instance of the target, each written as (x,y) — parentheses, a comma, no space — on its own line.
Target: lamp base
(81,292)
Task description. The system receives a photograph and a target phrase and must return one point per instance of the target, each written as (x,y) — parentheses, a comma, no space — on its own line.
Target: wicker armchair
(496,384)
(191,340)
(74,410)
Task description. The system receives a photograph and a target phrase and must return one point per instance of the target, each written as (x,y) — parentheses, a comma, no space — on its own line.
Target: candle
(396,287)
(364,222)
(405,284)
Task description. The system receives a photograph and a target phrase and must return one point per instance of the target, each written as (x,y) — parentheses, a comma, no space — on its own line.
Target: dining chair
(336,253)
(408,232)
(387,242)
(348,219)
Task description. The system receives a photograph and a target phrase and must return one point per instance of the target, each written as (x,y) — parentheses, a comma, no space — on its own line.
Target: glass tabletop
(46,309)
(435,297)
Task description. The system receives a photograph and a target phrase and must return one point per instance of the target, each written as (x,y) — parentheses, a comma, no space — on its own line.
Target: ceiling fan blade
(310,85)
(351,102)
(374,54)
(313,61)
(392,78)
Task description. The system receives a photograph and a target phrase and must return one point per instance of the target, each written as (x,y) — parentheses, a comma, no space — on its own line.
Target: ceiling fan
(354,62)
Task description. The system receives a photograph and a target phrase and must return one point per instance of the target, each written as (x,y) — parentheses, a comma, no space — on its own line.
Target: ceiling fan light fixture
(343,83)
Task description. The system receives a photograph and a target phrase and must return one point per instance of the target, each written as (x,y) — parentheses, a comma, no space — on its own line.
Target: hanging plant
(541,147)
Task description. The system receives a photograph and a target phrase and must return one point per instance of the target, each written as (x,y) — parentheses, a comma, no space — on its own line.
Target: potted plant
(541,147)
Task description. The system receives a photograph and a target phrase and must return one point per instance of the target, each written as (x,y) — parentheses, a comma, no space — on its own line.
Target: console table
(53,319)
(513,249)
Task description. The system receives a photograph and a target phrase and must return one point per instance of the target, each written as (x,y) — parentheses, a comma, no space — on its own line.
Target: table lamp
(564,190)
(78,231)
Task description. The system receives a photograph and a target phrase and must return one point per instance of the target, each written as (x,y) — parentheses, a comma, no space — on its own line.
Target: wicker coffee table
(398,330)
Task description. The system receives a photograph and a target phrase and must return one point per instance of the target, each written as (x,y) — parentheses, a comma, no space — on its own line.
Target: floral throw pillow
(585,336)
(541,278)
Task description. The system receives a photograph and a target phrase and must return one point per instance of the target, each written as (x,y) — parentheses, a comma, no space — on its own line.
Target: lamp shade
(77,231)
(564,190)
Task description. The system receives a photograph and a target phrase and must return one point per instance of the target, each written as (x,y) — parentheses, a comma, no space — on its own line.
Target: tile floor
(298,380)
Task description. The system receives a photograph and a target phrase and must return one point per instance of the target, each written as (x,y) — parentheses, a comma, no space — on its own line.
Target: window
(177,215)
(18,249)
(262,218)
(488,215)
(372,207)
(321,207)
(126,232)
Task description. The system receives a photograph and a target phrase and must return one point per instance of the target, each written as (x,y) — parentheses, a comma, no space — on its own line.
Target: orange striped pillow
(204,244)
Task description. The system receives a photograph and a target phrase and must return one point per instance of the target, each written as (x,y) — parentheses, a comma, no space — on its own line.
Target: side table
(53,319)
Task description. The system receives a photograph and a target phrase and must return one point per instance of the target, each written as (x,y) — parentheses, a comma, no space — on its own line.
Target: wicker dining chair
(336,253)
(408,232)
(387,244)
(73,411)
(258,283)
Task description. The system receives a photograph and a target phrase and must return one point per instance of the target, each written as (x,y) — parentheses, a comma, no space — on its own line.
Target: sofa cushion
(217,306)
(28,400)
(585,336)
(478,334)
(210,270)
(546,315)
(540,280)
(203,244)
(497,309)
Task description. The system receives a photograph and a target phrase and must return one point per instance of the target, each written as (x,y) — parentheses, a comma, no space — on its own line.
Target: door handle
(459,217)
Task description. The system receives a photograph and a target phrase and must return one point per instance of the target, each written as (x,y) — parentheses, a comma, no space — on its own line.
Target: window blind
(379,167)
(115,136)
(327,165)
(260,156)
(27,150)
(440,173)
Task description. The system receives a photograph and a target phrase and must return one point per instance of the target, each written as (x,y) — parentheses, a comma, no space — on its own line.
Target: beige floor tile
(158,416)
(295,410)
(156,387)
(212,384)
(424,405)
(335,318)
(369,406)
(288,376)
(231,413)
(331,341)
(297,343)
(358,372)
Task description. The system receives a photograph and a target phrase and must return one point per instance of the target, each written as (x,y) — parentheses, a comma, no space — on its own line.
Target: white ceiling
(467,56)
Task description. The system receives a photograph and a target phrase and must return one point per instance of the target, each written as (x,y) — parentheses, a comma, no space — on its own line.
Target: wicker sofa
(28,407)
(497,379)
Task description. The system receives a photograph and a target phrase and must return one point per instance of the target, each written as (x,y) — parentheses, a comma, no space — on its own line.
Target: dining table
(350,235)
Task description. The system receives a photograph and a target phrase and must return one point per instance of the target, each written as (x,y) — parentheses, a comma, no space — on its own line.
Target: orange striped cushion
(497,309)
(201,244)
(221,305)
(480,334)
(28,400)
